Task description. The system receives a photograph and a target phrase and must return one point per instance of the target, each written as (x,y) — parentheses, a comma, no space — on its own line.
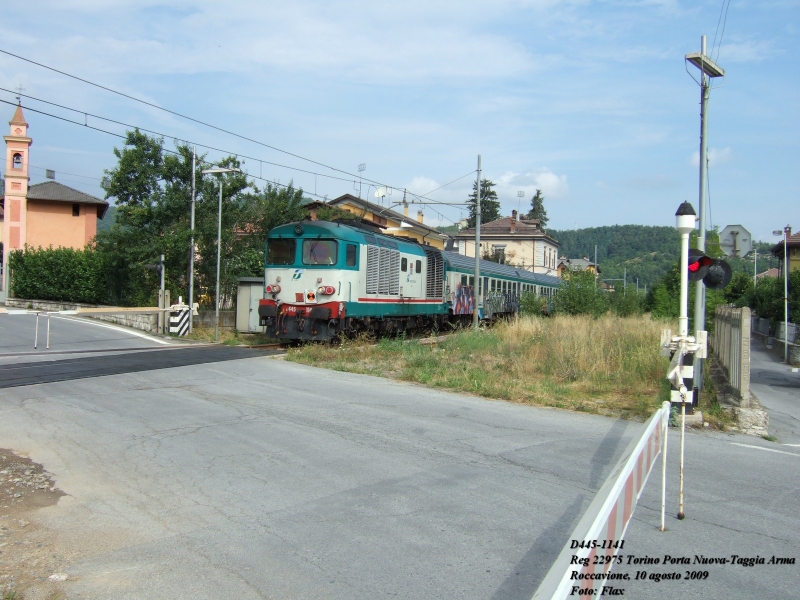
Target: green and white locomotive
(323,279)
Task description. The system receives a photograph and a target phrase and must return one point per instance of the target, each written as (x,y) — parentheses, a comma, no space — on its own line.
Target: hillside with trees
(643,252)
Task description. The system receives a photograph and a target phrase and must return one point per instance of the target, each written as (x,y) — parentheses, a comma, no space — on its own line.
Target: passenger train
(323,279)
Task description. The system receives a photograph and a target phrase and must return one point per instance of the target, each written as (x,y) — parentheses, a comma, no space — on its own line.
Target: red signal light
(273,288)
(703,261)
(327,290)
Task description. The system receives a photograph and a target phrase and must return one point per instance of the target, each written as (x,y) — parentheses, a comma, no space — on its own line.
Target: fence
(576,573)
(732,348)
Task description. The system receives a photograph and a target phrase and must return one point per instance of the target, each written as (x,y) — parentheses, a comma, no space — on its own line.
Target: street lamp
(785,234)
(219,170)
(708,70)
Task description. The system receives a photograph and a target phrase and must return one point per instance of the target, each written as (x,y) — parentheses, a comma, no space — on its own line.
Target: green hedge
(60,274)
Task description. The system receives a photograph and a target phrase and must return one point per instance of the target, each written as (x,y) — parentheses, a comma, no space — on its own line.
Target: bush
(579,296)
(533,305)
(60,274)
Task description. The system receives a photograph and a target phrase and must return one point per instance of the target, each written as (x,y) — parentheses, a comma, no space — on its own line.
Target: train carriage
(323,279)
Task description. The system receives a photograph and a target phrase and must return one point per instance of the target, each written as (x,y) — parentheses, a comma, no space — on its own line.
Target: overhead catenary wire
(189,142)
(723,10)
(124,137)
(86,114)
(198,121)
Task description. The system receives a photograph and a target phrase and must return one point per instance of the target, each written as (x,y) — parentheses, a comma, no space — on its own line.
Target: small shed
(251,290)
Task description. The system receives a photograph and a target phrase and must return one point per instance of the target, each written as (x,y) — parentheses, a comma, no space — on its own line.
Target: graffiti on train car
(463,299)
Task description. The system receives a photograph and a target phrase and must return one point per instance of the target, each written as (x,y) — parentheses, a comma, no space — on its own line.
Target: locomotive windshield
(319,252)
(281,252)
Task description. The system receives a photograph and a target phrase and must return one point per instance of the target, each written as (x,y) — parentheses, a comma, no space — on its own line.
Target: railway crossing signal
(714,273)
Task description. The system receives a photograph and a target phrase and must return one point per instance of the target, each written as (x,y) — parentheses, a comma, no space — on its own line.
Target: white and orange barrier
(587,558)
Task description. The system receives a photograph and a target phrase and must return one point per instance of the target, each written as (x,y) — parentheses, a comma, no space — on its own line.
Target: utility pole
(755,269)
(708,70)
(595,267)
(191,243)
(475,319)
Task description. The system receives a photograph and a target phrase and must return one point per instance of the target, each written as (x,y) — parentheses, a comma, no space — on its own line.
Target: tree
(490,205)
(537,209)
(152,188)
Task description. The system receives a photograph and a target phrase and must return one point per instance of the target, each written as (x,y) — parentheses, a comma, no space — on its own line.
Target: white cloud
(716,157)
(745,51)
(552,185)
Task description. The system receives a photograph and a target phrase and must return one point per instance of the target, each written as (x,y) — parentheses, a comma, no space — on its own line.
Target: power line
(88,114)
(109,120)
(163,149)
(172,112)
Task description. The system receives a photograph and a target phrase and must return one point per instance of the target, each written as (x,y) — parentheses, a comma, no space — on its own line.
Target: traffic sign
(735,240)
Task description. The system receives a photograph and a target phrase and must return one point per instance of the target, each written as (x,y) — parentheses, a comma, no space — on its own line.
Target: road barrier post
(607,518)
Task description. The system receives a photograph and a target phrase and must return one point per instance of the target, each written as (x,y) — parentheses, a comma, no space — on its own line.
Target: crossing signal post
(683,348)
(163,298)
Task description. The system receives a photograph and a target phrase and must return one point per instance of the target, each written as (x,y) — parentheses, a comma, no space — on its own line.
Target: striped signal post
(683,345)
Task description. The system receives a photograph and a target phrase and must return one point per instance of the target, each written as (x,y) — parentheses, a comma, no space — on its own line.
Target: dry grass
(609,365)
(229,337)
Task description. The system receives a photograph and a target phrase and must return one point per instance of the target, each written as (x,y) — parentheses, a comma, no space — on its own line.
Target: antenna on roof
(49,173)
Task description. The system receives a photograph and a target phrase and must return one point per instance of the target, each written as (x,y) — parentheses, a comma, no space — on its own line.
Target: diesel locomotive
(323,279)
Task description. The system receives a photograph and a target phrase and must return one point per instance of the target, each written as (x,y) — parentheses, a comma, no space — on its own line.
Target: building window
(76,210)
(17,161)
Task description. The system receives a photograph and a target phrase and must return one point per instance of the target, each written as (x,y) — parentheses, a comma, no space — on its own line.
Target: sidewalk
(778,390)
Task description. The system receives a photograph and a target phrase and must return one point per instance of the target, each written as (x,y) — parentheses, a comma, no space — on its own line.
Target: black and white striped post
(179,318)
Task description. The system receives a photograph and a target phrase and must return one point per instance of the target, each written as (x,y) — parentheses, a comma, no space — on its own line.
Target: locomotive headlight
(273,288)
(326,290)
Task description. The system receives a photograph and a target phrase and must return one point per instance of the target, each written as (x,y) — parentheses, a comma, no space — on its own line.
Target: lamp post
(219,170)
(191,243)
(708,70)
(785,234)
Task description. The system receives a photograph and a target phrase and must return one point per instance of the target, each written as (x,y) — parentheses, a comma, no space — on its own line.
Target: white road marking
(792,445)
(765,449)
(116,328)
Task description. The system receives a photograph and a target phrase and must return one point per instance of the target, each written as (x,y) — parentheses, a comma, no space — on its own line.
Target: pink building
(45,214)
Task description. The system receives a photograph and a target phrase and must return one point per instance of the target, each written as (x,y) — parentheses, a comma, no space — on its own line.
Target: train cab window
(350,255)
(419,266)
(319,252)
(471,282)
(281,252)
(404,264)
(463,280)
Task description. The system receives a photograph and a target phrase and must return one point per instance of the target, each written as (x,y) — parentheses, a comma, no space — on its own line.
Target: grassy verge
(229,337)
(609,365)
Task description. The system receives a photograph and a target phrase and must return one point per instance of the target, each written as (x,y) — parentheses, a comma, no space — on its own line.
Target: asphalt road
(777,387)
(263,479)
(67,334)
(258,478)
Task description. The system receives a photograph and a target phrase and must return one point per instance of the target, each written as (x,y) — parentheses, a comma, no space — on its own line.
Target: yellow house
(567,265)
(792,250)
(392,223)
(520,243)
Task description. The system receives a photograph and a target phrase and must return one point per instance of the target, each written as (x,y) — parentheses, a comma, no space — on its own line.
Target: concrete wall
(227,319)
(147,323)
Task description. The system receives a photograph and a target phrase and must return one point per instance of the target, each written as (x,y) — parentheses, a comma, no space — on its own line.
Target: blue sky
(589,101)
